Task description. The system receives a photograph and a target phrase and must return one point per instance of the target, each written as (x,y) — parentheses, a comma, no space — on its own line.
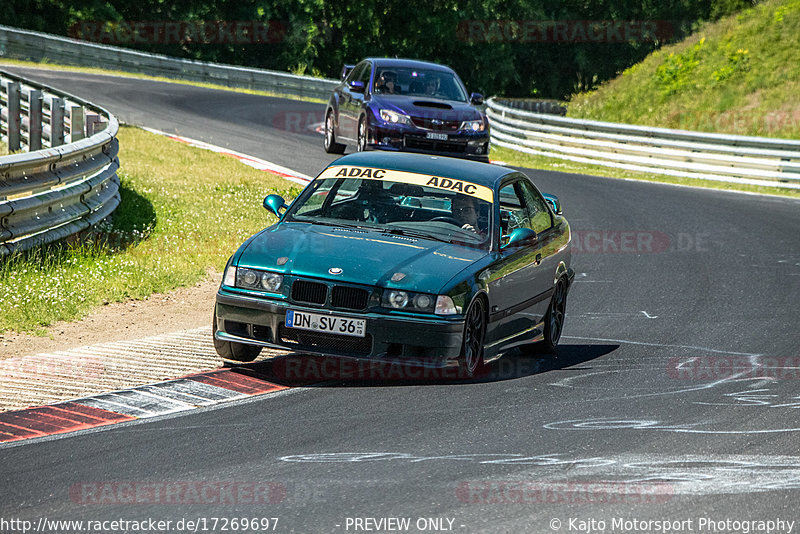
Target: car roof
(411,63)
(478,173)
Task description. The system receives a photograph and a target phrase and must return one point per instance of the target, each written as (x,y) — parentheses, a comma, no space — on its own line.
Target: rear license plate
(437,136)
(326,323)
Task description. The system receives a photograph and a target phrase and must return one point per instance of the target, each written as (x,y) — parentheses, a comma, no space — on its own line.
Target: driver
(465,211)
(387,82)
(432,84)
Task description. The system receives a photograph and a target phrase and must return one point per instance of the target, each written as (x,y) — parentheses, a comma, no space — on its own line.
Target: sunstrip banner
(448,184)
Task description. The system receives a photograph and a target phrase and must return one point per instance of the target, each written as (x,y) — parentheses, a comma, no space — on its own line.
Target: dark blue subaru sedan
(405,105)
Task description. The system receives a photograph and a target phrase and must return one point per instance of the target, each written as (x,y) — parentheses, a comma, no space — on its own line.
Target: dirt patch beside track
(181,309)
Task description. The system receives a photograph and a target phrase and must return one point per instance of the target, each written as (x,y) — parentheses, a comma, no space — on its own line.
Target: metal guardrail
(56,189)
(727,158)
(34,46)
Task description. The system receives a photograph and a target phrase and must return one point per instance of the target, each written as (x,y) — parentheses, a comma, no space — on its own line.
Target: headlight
(423,302)
(258,280)
(475,126)
(271,281)
(407,301)
(393,117)
(397,299)
(249,278)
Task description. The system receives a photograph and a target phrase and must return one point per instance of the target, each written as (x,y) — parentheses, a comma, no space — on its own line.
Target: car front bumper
(462,144)
(434,342)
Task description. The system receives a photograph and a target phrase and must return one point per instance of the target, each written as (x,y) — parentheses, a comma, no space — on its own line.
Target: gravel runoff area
(118,346)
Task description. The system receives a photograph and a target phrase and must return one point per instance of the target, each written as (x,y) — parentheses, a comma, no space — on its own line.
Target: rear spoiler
(346,70)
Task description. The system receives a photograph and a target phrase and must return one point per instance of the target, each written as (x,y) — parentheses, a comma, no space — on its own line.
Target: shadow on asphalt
(296,369)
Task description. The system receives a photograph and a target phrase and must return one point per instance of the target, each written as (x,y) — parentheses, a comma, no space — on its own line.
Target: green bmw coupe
(399,257)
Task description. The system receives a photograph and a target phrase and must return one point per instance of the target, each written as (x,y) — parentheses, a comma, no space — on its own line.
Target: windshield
(396,207)
(422,82)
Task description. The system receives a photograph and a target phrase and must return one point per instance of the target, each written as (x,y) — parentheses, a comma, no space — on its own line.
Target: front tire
(471,358)
(362,134)
(331,146)
(228,350)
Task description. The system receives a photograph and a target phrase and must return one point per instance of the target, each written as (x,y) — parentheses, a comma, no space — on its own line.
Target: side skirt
(529,335)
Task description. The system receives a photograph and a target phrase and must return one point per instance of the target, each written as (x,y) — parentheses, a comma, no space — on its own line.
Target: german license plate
(326,323)
(437,136)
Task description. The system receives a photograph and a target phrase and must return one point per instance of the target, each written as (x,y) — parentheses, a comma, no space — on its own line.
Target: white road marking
(252,161)
(640,424)
(668,474)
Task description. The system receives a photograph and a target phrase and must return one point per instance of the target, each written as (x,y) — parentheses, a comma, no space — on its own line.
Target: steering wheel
(446,219)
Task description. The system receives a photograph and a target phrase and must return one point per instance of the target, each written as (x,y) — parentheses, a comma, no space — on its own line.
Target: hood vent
(356,230)
(430,104)
(400,237)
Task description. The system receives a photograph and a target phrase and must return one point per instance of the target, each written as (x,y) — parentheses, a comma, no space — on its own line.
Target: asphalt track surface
(649,413)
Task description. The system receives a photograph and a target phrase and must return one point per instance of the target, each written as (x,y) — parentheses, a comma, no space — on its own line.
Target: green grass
(740,75)
(89,70)
(184,211)
(522,159)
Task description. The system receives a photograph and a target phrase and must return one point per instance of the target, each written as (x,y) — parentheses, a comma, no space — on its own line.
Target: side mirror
(476,99)
(274,204)
(357,86)
(554,203)
(521,236)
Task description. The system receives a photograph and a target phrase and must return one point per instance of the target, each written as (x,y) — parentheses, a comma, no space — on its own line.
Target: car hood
(364,257)
(431,108)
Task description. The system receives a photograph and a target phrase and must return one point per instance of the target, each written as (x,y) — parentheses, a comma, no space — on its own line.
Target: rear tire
(471,358)
(554,319)
(228,350)
(553,323)
(331,146)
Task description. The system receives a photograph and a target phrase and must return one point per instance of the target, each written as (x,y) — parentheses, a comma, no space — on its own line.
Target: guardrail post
(94,124)
(13,92)
(56,121)
(77,123)
(34,120)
